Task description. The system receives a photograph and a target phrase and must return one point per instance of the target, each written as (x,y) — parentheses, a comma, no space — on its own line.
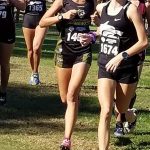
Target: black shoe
(2,99)
(119,130)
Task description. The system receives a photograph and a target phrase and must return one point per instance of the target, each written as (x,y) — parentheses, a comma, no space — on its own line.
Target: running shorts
(67,61)
(31,21)
(127,75)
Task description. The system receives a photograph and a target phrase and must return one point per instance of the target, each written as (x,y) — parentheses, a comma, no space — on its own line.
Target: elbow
(145,43)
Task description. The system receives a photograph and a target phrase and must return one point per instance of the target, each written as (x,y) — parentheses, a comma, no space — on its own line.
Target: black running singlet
(6,11)
(36,7)
(7,24)
(71,29)
(117,34)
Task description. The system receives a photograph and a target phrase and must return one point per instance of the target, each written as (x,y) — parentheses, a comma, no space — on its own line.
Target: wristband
(93,36)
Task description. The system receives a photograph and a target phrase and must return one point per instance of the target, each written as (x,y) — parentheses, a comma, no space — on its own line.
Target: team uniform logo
(81,12)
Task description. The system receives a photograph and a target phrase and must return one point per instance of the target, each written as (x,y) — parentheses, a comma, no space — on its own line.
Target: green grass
(33,117)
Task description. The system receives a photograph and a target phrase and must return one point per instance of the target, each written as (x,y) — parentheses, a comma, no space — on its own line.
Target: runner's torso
(71,29)
(117,34)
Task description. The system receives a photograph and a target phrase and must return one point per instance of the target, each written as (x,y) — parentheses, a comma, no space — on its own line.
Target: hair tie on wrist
(93,36)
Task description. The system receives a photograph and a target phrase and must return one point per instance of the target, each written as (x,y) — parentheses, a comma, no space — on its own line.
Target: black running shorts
(127,75)
(31,21)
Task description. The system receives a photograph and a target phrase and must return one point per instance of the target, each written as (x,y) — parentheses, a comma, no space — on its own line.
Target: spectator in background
(34,35)
(7,40)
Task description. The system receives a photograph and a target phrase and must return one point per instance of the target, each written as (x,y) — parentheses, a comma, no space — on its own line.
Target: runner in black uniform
(72,58)
(34,35)
(122,37)
(7,39)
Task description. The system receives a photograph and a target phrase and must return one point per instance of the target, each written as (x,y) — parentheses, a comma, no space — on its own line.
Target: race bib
(3,14)
(109,46)
(72,34)
(3,10)
(35,6)
(73,37)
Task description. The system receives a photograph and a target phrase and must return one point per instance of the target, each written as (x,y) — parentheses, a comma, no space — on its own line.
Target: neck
(79,1)
(116,4)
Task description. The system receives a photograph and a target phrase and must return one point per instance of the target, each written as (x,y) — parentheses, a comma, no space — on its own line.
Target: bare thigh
(106,90)
(78,75)
(124,93)
(71,79)
(63,78)
(29,36)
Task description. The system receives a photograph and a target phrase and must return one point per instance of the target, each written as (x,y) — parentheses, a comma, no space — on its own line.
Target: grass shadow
(143,144)
(39,108)
(123,141)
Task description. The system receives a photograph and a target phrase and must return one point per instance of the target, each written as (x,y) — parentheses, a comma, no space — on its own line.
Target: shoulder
(99,7)
(132,8)
(135,2)
(132,11)
(58,3)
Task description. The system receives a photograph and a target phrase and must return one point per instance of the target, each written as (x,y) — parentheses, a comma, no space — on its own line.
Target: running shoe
(130,126)
(2,98)
(119,130)
(65,145)
(34,79)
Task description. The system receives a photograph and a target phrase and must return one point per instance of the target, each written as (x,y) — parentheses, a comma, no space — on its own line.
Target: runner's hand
(85,39)
(70,14)
(113,64)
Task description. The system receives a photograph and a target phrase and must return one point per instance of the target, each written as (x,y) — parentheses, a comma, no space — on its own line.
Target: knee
(36,49)
(106,113)
(71,96)
(30,53)
(72,99)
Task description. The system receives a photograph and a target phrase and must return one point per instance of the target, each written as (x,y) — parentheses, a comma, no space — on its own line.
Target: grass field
(33,117)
